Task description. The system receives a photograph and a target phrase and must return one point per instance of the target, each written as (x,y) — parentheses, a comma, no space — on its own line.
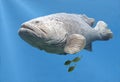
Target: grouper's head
(41,33)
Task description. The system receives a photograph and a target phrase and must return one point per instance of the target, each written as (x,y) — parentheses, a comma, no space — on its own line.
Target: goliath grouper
(63,33)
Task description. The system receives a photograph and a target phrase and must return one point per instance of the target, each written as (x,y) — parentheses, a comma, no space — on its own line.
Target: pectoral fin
(75,43)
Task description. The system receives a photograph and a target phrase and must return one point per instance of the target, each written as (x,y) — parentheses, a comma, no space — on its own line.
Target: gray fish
(64,33)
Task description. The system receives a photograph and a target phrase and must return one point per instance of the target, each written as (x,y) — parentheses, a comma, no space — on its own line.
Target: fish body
(63,33)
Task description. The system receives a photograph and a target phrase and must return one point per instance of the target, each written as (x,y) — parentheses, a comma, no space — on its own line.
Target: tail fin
(105,32)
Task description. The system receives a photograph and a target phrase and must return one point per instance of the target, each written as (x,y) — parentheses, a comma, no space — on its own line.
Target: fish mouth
(31,29)
(32,34)
(27,27)
(27,33)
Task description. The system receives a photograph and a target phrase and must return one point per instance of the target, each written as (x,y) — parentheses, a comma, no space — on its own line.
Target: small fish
(68,62)
(76,59)
(71,68)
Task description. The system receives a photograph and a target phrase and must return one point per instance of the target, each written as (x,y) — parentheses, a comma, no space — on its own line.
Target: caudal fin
(105,32)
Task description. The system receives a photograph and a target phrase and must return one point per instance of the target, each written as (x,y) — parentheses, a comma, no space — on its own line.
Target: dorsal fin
(88,20)
(89,47)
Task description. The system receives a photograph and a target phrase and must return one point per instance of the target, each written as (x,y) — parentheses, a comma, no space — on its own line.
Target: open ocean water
(19,62)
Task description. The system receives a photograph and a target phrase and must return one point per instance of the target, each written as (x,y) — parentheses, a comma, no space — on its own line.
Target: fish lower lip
(27,27)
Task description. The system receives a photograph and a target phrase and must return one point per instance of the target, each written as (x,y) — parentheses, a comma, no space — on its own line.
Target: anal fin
(89,47)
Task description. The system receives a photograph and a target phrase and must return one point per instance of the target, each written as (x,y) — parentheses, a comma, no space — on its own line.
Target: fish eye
(36,21)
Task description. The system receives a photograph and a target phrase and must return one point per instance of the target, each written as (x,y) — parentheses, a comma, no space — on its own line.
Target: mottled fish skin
(50,32)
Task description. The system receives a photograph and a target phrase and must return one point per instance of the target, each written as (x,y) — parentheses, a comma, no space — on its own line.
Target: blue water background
(22,63)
